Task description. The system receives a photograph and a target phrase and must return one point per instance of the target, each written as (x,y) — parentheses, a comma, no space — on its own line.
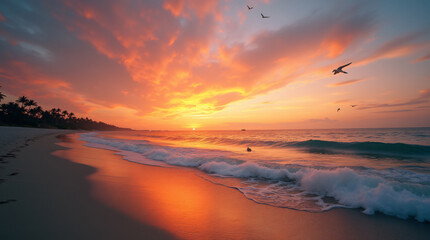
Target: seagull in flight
(338,109)
(264,16)
(339,69)
(249,8)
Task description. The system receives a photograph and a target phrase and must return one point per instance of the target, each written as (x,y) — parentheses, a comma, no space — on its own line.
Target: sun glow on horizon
(219,64)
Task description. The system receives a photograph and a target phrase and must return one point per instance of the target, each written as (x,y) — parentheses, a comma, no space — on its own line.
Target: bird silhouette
(264,16)
(249,8)
(339,69)
(338,109)
(353,105)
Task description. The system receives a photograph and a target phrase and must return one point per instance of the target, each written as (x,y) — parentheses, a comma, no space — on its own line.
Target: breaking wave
(395,192)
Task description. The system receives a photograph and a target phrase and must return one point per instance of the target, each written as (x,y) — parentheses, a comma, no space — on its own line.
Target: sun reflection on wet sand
(181,202)
(178,201)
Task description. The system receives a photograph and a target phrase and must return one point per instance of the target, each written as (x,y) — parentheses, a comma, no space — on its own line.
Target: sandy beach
(14,138)
(49,197)
(64,190)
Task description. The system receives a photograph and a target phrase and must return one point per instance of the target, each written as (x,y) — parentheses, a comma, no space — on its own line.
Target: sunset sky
(183,64)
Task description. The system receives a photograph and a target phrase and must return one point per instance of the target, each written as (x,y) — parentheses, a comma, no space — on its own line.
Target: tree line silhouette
(27,113)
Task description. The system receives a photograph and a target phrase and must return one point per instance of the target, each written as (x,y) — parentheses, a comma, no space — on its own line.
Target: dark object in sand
(8,201)
(249,149)
(14,173)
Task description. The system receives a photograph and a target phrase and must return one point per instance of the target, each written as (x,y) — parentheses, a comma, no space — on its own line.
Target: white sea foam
(394,192)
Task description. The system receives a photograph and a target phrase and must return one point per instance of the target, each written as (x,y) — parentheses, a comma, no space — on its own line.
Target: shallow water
(378,170)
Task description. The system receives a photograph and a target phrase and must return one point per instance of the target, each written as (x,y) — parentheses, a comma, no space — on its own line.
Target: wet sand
(96,194)
(51,200)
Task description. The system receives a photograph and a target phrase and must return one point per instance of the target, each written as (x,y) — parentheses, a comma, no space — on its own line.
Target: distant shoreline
(28,126)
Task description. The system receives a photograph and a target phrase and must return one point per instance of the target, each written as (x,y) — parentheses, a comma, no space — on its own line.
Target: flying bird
(339,69)
(264,16)
(338,109)
(249,8)
(353,105)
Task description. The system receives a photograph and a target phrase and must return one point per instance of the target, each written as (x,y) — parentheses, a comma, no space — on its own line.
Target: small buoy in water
(248,149)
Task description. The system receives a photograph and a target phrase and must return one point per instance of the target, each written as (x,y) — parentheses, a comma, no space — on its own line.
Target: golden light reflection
(172,200)
(189,207)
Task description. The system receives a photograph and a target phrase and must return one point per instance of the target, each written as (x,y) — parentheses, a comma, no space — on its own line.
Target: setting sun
(143,67)
(215,119)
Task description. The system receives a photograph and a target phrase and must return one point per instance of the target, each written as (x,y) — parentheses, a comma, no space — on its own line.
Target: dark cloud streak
(423,98)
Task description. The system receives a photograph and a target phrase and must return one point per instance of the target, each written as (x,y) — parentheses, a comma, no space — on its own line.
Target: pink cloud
(197,7)
(348,82)
(171,64)
(396,47)
(423,58)
(19,78)
(173,60)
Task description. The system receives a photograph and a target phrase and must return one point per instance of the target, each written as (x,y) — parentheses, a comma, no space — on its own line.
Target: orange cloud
(397,47)
(197,7)
(174,6)
(338,38)
(423,58)
(167,58)
(19,78)
(343,83)
(175,67)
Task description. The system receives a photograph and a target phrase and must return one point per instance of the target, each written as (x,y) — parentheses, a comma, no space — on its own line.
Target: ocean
(374,170)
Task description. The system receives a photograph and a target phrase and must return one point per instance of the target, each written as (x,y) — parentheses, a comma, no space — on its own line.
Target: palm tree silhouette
(36,112)
(30,103)
(71,115)
(64,114)
(2,95)
(23,100)
(26,112)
